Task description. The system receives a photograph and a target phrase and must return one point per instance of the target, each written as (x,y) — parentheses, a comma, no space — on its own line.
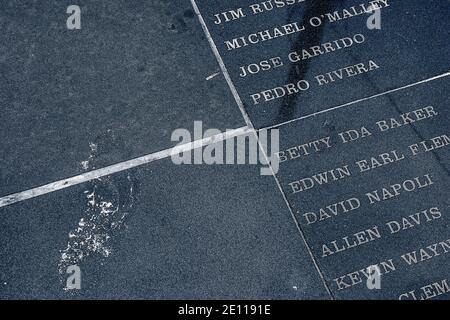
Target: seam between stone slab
(95,174)
(122,166)
(118,167)
(348,104)
(250,125)
(146,159)
(222,65)
(297,224)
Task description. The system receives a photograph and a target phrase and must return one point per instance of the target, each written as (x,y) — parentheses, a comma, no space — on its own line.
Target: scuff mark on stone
(212,76)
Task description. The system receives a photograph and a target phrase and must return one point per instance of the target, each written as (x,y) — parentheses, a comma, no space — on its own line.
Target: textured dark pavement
(78,100)
(133,73)
(116,89)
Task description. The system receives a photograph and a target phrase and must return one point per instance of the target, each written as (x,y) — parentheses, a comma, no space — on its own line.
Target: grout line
(222,66)
(297,224)
(250,125)
(95,174)
(118,167)
(446,74)
(122,166)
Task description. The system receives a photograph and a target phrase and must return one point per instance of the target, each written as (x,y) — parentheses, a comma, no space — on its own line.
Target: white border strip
(360,100)
(250,125)
(122,166)
(222,65)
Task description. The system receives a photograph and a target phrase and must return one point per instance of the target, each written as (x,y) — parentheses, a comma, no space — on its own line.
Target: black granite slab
(180,232)
(411,45)
(133,73)
(407,219)
(74,101)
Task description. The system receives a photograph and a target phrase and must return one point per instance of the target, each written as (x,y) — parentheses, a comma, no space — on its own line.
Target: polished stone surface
(323,229)
(75,101)
(411,45)
(135,72)
(188,232)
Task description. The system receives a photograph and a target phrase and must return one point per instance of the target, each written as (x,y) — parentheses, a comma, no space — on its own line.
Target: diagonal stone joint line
(122,166)
(251,126)
(248,129)
(348,104)
(219,59)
